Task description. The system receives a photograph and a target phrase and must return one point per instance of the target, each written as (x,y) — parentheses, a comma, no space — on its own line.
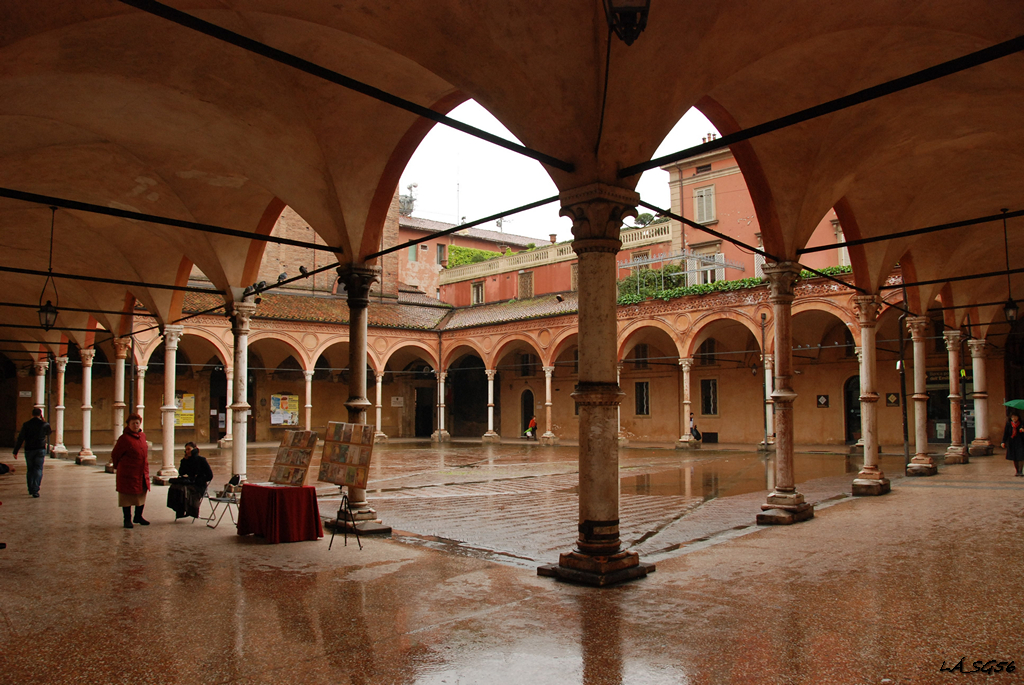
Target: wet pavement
(871,590)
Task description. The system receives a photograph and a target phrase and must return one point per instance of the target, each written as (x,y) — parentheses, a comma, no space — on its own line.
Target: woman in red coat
(131,461)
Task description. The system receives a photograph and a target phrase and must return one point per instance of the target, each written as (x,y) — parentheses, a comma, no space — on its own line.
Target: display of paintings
(293,458)
(347,451)
(284,410)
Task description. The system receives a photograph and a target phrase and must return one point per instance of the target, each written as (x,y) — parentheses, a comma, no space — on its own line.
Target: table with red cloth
(279,513)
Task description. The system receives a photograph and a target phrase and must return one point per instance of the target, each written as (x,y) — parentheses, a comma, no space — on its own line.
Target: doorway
(424,425)
(527,410)
(218,403)
(851,409)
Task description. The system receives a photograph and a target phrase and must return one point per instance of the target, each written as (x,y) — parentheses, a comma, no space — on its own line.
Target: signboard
(822,401)
(293,458)
(347,451)
(892,399)
(397,401)
(184,409)
(284,410)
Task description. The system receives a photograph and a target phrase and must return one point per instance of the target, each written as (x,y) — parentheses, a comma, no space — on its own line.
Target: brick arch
(635,327)
(689,345)
(450,352)
(845,315)
(561,343)
(374,361)
(256,248)
(508,341)
(222,351)
(288,340)
(430,354)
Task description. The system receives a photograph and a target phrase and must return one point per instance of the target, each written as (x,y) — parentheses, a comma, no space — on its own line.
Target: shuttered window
(704,204)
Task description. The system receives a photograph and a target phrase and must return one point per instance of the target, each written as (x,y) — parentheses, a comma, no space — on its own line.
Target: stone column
(956,453)
(549,437)
(871,480)
(229,376)
(597,212)
(686,441)
(85,456)
(241,314)
(59,449)
(623,440)
(40,395)
(441,434)
(769,403)
(785,505)
(357,281)
(981,445)
(308,375)
(490,435)
(379,436)
(140,392)
(172,334)
(922,463)
(121,347)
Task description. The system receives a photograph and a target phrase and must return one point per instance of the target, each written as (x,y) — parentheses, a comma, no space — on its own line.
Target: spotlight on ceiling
(627,18)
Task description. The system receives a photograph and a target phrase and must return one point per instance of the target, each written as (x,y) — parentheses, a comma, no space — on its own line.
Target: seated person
(186,491)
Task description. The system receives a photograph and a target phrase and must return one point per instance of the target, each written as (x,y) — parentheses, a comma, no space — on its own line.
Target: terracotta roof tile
(513,310)
(431,226)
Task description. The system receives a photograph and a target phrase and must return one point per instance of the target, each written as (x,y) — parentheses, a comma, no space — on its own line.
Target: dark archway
(8,402)
(528,410)
(851,409)
(468,382)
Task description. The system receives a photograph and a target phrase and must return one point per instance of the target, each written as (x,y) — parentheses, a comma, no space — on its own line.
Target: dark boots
(128,520)
(138,517)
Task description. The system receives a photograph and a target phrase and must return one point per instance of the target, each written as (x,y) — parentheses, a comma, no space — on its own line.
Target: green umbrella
(1016,404)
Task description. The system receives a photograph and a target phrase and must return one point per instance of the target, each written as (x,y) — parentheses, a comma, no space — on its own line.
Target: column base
(380,438)
(867,487)
(774,516)
(490,437)
(687,443)
(85,458)
(956,455)
(981,448)
(440,436)
(762,447)
(225,442)
(364,520)
(59,452)
(164,476)
(548,439)
(623,441)
(924,467)
(583,569)
(109,468)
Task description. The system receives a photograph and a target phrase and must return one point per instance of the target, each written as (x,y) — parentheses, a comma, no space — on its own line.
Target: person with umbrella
(1013,441)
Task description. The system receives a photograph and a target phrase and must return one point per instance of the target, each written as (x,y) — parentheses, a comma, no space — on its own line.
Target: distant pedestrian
(130,458)
(693,429)
(35,435)
(531,430)
(1013,441)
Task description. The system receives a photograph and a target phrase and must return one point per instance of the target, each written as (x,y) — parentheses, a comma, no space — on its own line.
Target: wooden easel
(344,514)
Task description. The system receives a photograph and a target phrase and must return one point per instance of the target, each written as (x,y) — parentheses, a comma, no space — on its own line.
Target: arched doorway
(851,409)
(468,383)
(528,410)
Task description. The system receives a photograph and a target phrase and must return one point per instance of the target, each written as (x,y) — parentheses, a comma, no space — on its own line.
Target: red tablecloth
(280,513)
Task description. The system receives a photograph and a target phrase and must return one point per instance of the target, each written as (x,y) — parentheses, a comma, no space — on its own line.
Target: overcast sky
(459,175)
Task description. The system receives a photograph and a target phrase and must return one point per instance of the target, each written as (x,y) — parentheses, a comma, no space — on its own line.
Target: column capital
(597,211)
(172,334)
(121,347)
(41,367)
(141,370)
(441,375)
(548,370)
(686,363)
(977,347)
(867,307)
(782,278)
(357,279)
(241,314)
(490,373)
(62,363)
(769,360)
(87,356)
(308,375)
(953,339)
(918,327)
(859,351)
(379,377)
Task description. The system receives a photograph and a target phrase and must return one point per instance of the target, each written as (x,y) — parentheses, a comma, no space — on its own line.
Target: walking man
(35,435)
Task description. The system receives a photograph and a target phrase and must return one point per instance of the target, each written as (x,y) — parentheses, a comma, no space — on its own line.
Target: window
(641,255)
(709,263)
(574,277)
(525,285)
(440,254)
(702,169)
(640,356)
(643,398)
(527,365)
(477,295)
(704,204)
(413,251)
(706,353)
(709,396)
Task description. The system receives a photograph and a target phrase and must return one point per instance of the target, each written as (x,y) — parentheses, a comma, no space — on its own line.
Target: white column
(121,347)
(686,441)
(870,480)
(549,436)
(40,395)
(785,504)
(922,463)
(241,313)
(140,394)
(769,403)
(59,449)
(441,434)
(379,435)
(490,435)
(956,453)
(308,375)
(85,456)
(172,334)
(981,445)
(229,375)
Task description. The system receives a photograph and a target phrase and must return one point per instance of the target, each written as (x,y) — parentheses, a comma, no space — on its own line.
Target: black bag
(695,433)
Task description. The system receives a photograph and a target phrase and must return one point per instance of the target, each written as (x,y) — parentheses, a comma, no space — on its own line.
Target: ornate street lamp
(48,311)
(627,18)
(1010,308)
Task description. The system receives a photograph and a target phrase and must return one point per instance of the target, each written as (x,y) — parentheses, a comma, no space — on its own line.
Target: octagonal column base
(623,441)
(866,487)
(981,448)
(380,438)
(687,443)
(225,442)
(774,516)
(85,458)
(440,436)
(956,455)
(924,467)
(490,437)
(762,447)
(597,571)
(548,439)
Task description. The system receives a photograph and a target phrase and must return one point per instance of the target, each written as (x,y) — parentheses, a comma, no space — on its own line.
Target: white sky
(460,175)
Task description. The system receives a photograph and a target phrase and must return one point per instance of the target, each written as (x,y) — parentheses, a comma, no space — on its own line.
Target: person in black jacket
(1013,441)
(186,491)
(35,435)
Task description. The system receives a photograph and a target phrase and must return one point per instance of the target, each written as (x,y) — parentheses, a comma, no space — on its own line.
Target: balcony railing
(551,254)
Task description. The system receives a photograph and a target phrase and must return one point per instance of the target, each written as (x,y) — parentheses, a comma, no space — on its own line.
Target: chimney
(553,237)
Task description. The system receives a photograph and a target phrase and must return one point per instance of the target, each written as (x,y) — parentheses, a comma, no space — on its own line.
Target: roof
(552,304)
(497,237)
